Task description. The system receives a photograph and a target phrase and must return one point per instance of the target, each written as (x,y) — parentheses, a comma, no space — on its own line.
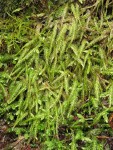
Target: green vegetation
(56,74)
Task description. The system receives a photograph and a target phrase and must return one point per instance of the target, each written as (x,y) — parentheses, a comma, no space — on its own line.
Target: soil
(9,141)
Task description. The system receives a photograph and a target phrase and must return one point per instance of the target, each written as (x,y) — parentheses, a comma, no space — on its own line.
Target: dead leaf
(103,137)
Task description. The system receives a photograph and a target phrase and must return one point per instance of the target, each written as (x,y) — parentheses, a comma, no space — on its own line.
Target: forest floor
(56,78)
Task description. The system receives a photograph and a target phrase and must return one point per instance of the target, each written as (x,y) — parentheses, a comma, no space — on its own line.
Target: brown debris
(111,121)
